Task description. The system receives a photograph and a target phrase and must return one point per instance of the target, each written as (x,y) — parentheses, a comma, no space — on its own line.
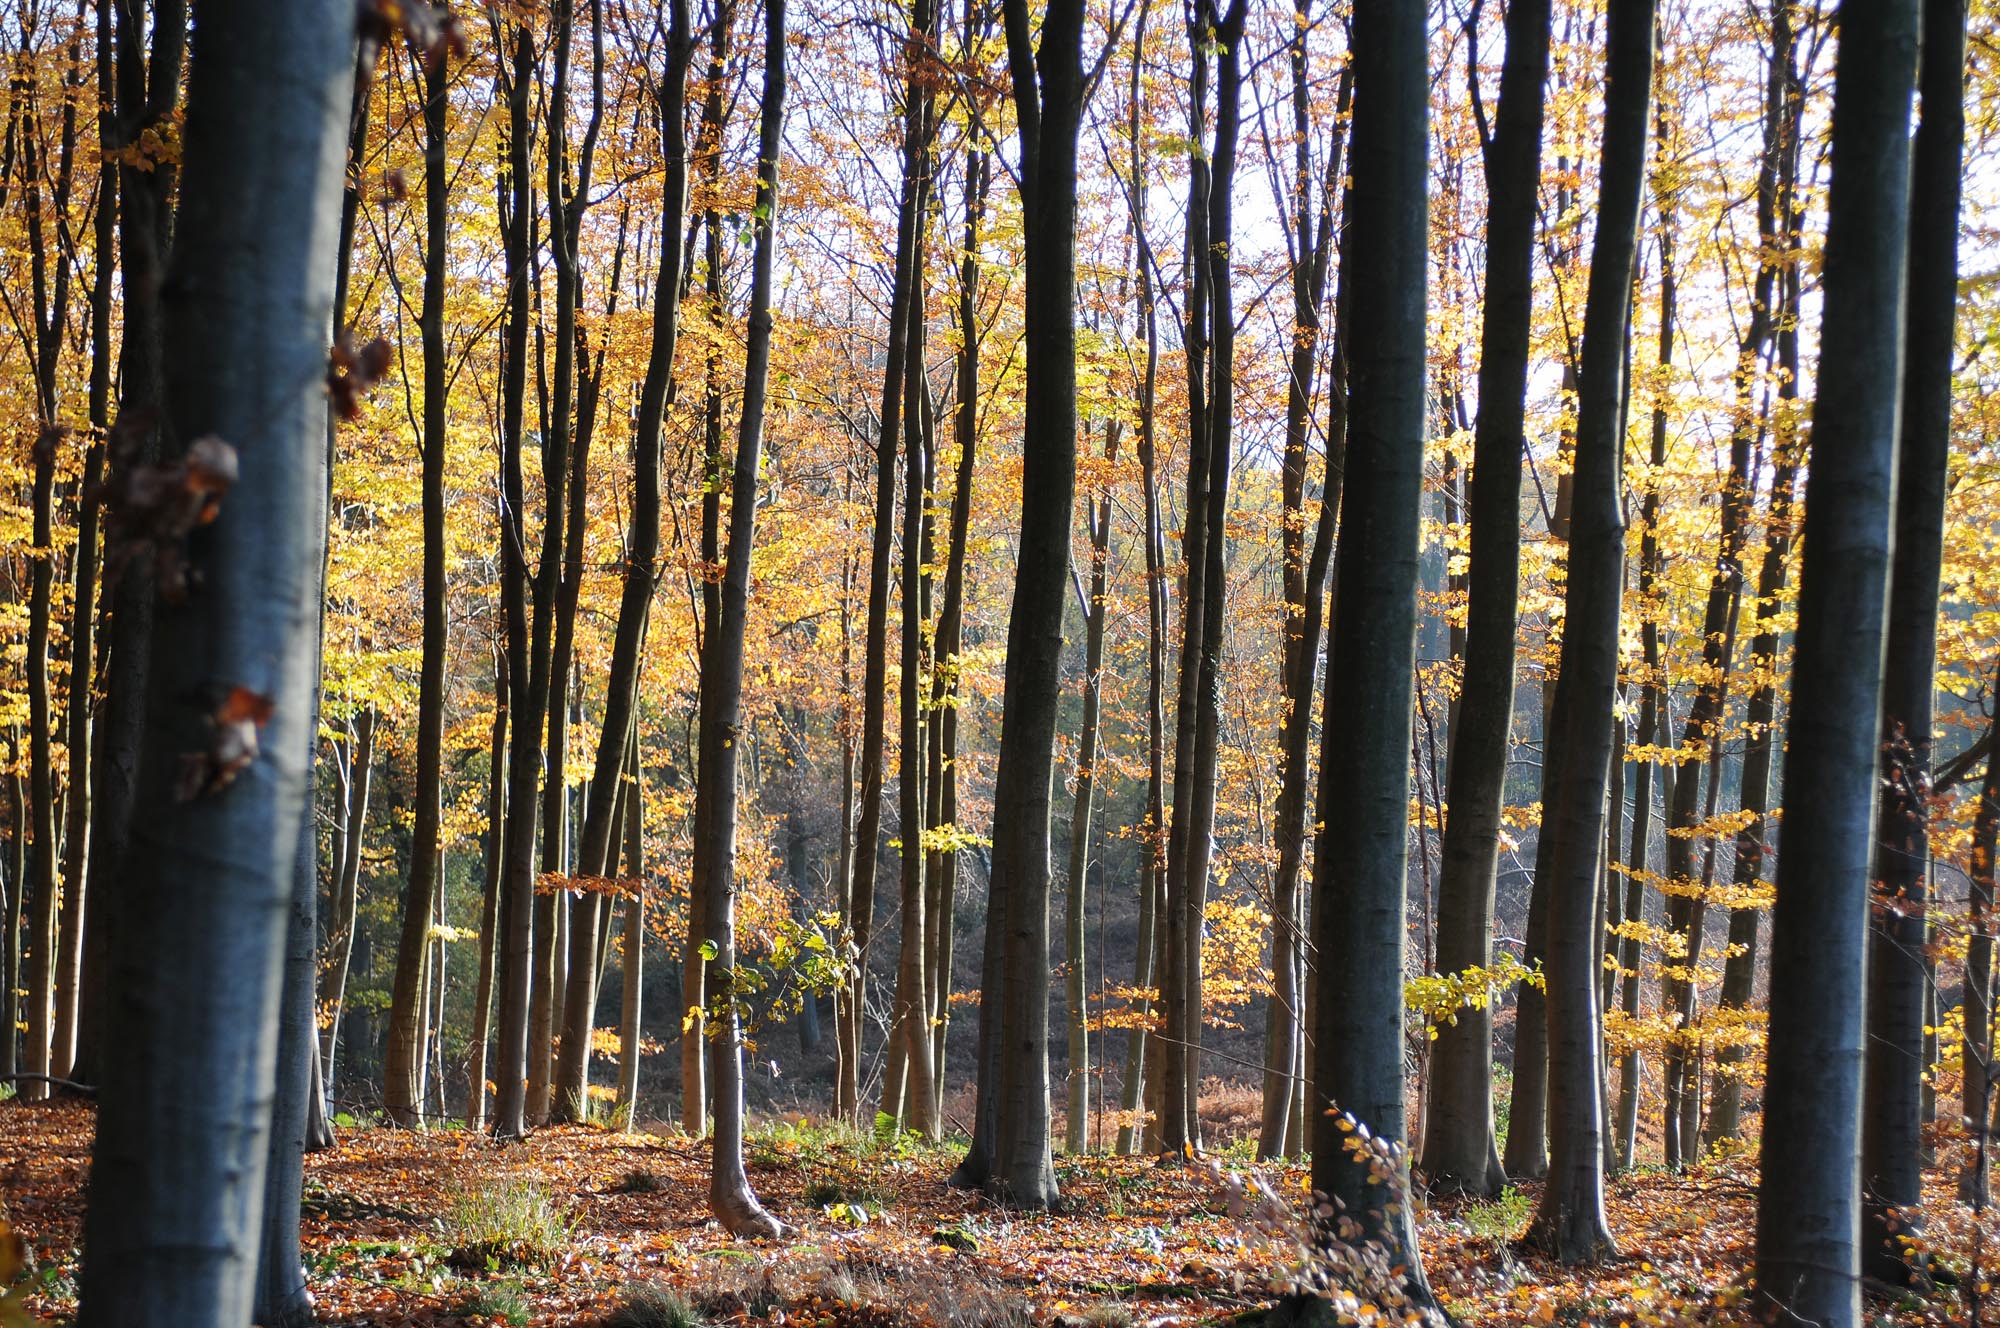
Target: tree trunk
(148,97)
(1899,974)
(1570,1223)
(1808,1216)
(722,724)
(632,942)
(951,611)
(1977,1073)
(1210,345)
(1010,1156)
(524,703)
(1132,1135)
(1077,1123)
(347,880)
(911,1090)
(1362,853)
(177,1190)
(401,1098)
(281,1299)
(1783,106)
(489,898)
(1460,1155)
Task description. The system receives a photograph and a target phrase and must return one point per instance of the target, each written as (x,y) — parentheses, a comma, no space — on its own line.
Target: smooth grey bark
(185,1107)
(401,1070)
(722,724)
(1363,844)
(1459,1153)
(1010,1156)
(1899,976)
(1809,1198)
(1570,1223)
(298,1115)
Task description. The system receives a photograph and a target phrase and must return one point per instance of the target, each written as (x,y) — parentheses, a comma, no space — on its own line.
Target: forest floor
(445,1228)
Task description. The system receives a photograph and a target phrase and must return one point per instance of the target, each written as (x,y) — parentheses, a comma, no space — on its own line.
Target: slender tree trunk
(951,610)
(517,879)
(177,1193)
(1899,974)
(1077,1124)
(1977,1072)
(1360,893)
(1132,1137)
(148,97)
(875,667)
(909,1090)
(722,723)
(401,1073)
(1808,1218)
(1459,1152)
(347,879)
(632,942)
(490,898)
(84,601)
(1570,1224)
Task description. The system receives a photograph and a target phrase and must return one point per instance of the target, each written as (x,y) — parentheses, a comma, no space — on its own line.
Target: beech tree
(1570,1222)
(1808,1212)
(1899,968)
(1459,1151)
(729,1194)
(1358,928)
(180,1158)
(1010,1155)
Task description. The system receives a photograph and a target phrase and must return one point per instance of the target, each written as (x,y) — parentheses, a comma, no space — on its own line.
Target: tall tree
(1570,1223)
(714,877)
(1363,851)
(149,77)
(1211,347)
(1809,1198)
(404,1056)
(1459,1151)
(1310,238)
(524,701)
(597,850)
(179,1161)
(1076,1122)
(1010,1154)
(1899,968)
(909,1089)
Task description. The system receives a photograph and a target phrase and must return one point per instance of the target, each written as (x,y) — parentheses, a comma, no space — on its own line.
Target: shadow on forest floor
(445,1228)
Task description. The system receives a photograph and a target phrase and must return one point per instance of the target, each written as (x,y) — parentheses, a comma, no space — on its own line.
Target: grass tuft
(504,1224)
(652,1305)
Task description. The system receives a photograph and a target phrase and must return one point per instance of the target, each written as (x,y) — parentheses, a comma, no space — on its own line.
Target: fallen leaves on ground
(880,1240)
